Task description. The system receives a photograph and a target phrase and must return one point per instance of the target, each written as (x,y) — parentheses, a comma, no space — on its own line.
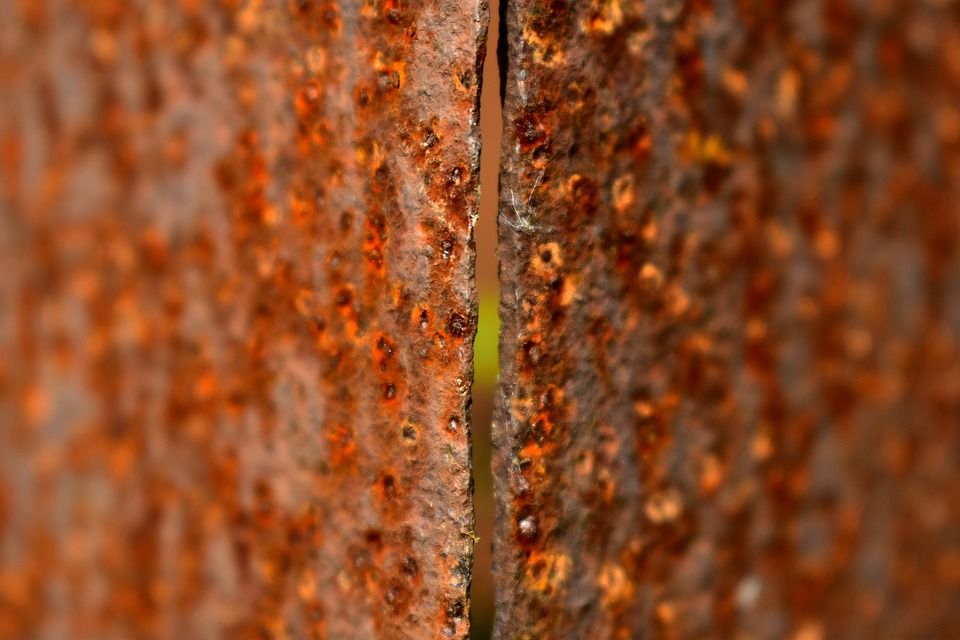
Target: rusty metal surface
(236,317)
(730,383)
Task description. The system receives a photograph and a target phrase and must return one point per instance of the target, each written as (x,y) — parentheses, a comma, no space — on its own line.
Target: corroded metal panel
(730,381)
(236,317)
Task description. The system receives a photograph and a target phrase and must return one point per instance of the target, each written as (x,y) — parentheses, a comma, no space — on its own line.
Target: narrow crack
(486,356)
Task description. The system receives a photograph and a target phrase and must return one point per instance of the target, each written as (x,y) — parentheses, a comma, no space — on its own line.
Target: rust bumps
(234,383)
(237,309)
(730,275)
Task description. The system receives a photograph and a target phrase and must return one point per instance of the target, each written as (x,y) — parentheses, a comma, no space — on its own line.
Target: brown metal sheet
(730,382)
(236,317)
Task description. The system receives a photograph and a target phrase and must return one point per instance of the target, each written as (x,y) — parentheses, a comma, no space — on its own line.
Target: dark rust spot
(410,567)
(389,391)
(529,132)
(430,139)
(457,325)
(344,297)
(446,248)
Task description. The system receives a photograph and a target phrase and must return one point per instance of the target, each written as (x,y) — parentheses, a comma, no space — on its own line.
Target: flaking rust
(730,382)
(238,306)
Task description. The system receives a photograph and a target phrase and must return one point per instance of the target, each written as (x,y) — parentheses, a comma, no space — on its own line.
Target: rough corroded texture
(731,320)
(237,312)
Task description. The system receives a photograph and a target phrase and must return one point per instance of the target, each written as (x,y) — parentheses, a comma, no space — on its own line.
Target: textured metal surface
(237,317)
(730,392)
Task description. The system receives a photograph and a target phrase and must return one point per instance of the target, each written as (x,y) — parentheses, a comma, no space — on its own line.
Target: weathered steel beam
(236,317)
(730,381)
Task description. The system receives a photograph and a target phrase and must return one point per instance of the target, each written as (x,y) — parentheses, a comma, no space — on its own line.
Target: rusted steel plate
(237,317)
(730,392)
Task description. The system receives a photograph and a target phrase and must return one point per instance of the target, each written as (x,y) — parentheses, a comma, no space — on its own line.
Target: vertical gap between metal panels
(486,356)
